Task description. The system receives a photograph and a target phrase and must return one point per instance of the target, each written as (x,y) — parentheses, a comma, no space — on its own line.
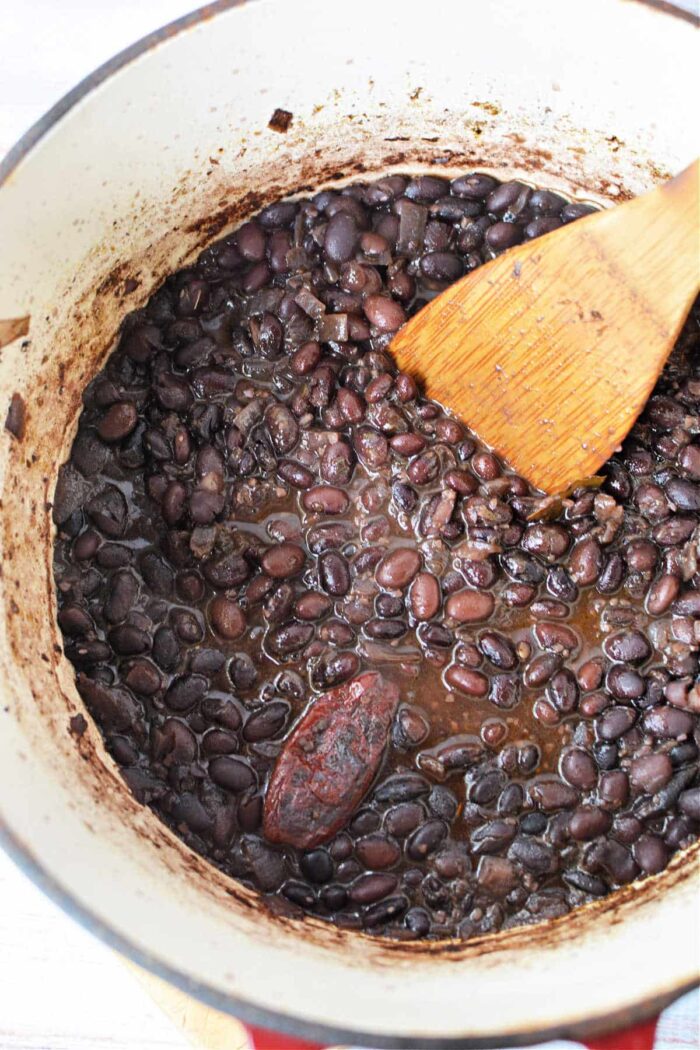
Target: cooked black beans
(258,508)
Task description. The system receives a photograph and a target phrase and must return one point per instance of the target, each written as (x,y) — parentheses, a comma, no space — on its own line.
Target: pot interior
(158,156)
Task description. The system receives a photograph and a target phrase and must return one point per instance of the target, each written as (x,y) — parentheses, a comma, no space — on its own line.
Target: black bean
(560,584)
(579,769)
(108,511)
(186,691)
(118,421)
(143,678)
(128,640)
(187,626)
(688,604)
(618,862)
(521,567)
(586,562)
(627,647)
(511,800)
(78,621)
(295,474)
(312,606)
(157,574)
(503,235)
(612,575)
(317,867)
(385,911)
(584,882)
(650,772)
(674,531)
(466,681)
(588,822)
(542,225)
(576,210)
(614,722)
(501,198)
(497,876)
(341,238)
(662,592)
(337,464)
(282,428)
(689,803)
(650,853)
(219,742)
(535,856)
(334,668)
(682,753)
(400,820)
(668,723)
(441,266)
(166,650)
(556,637)
(426,188)
(325,499)
(290,638)
(546,202)
(283,561)
(141,342)
(505,691)
(539,670)
(499,650)
(385,314)
(562,691)
(267,722)
(553,794)
(533,823)
(228,571)
(474,187)
(402,787)
(426,839)
(486,788)
(116,710)
(386,628)
(334,575)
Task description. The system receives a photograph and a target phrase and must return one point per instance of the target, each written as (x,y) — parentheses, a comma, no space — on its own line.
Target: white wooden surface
(60,989)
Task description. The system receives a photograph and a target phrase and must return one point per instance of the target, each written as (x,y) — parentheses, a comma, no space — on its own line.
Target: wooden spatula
(550,351)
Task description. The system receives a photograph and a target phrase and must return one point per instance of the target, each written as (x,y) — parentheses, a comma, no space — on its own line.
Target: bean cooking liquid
(328,637)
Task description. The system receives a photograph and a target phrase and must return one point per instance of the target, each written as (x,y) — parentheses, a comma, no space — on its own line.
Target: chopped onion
(266,301)
(411,227)
(444,509)
(299,232)
(333,328)
(378,259)
(309,303)
(375,652)
(546,508)
(297,259)
(476,550)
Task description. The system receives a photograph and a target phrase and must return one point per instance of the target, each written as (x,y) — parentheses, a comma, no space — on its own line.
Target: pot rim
(30,866)
(247,1012)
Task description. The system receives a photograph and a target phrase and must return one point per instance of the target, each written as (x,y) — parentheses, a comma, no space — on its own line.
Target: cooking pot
(167,146)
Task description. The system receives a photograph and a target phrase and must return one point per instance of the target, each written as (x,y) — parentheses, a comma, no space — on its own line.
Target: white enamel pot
(163,148)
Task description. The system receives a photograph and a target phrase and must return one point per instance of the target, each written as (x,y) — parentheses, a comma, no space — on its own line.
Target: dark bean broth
(258,510)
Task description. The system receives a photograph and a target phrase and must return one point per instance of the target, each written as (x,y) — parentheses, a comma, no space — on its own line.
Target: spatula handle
(680,198)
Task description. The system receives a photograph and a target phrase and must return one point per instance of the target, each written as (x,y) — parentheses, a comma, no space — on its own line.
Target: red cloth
(262,1039)
(641,1037)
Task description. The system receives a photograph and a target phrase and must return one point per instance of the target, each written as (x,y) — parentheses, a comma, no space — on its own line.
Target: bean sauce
(328,636)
